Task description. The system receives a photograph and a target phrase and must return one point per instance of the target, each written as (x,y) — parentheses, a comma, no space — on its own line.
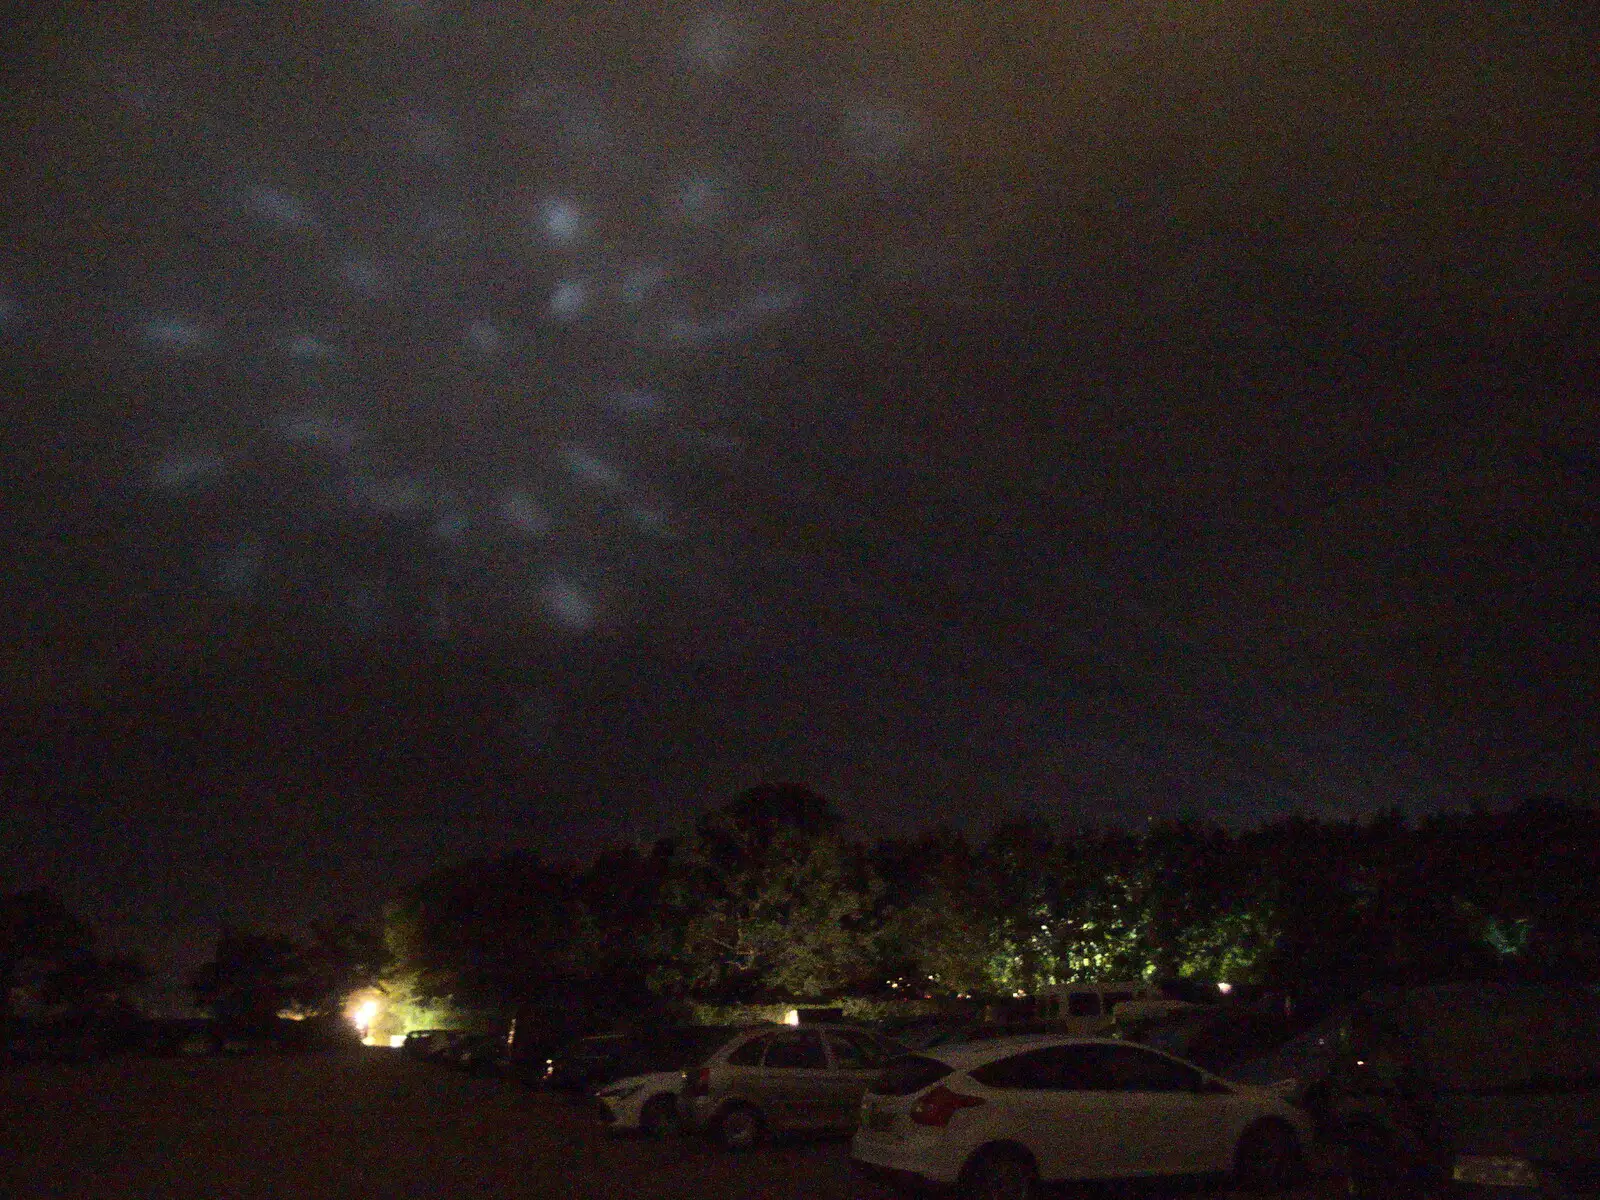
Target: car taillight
(699,1083)
(938,1106)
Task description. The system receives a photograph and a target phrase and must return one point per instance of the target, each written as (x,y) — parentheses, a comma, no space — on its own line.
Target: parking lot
(374,1124)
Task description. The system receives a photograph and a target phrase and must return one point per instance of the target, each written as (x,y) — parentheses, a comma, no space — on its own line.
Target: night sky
(435,428)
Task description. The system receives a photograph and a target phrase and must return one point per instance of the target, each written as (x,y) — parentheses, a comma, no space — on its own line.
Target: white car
(645,1104)
(997,1118)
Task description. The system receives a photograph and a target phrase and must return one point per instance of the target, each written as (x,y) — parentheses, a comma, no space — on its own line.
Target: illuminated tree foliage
(772,897)
(768,899)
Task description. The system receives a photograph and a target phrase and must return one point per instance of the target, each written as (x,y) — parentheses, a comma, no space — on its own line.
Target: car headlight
(1487,1170)
(616,1092)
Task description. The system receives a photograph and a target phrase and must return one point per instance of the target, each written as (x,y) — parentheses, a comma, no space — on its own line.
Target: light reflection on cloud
(483,326)
(569,606)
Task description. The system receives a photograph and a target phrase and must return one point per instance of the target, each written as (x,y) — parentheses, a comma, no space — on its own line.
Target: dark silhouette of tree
(36,927)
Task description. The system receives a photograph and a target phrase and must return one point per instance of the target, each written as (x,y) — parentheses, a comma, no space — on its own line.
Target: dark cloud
(438,428)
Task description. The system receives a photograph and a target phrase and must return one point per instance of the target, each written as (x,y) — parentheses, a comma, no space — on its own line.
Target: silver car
(804,1079)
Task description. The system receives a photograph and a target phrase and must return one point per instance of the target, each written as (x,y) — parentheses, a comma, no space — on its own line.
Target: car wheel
(740,1127)
(1267,1158)
(659,1118)
(1000,1173)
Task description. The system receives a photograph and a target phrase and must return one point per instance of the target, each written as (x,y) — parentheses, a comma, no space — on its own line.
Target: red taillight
(938,1106)
(699,1082)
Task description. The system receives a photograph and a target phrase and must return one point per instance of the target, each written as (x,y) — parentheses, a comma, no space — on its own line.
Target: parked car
(771,1080)
(586,1062)
(479,1053)
(1471,1089)
(646,1099)
(1304,1066)
(420,1043)
(998,1117)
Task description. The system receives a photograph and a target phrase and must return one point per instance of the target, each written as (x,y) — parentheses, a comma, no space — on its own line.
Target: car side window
(1053,1069)
(1134,1070)
(854,1051)
(749,1054)
(796,1051)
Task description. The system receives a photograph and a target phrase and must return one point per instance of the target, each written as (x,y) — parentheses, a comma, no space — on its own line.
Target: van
(1087,1009)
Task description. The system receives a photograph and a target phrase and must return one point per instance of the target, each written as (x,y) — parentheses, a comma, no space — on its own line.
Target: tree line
(769,898)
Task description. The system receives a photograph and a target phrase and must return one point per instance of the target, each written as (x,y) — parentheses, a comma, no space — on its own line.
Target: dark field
(371,1125)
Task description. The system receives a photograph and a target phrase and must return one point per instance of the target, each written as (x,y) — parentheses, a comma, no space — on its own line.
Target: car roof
(965,1055)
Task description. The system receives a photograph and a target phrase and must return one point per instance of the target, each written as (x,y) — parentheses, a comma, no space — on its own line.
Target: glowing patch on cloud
(308,347)
(323,431)
(880,132)
(584,465)
(635,401)
(524,514)
(648,520)
(387,494)
(718,41)
(700,200)
(484,337)
(451,524)
(639,280)
(170,332)
(181,469)
(364,276)
(568,299)
(242,566)
(282,209)
(568,605)
(563,222)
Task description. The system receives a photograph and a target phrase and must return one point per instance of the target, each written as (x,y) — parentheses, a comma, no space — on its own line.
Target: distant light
(1224,987)
(792,1017)
(396,1040)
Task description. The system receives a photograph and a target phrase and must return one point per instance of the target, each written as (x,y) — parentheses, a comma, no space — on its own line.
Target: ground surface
(374,1125)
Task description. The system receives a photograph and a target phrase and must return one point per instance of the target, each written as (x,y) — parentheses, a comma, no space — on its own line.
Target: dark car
(586,1062)
(592,1062)
(480,1054)
(424,1043)
(1471,1089)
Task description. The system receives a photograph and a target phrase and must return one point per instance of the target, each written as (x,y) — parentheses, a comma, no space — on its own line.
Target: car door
(1174,1121)
(858,1059)
(1057,1101)
(795,1081)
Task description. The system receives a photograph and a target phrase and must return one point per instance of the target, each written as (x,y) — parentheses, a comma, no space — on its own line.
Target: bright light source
(792,1017)
(396,1040)
(364,1014)
(1224,988)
